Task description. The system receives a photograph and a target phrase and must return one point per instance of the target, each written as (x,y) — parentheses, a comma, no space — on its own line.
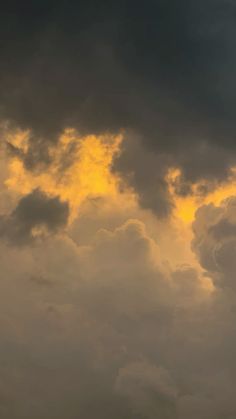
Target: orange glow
(81,168)
(185,207)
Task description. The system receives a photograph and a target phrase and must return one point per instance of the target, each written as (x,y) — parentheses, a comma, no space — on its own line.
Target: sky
(118,209)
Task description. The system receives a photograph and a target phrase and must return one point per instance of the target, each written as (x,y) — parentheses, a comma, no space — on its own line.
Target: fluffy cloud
(108,318)
(109,328)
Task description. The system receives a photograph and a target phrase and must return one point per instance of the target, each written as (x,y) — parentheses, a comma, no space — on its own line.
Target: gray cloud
(146,170)
(35,210)
(164,71)
(149,389)
(214,241)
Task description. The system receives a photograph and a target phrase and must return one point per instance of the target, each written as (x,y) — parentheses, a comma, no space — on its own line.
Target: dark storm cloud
(164,70)
(35,210)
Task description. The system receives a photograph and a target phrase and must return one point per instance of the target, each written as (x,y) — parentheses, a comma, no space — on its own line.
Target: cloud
(33,213)
(214,241)
(114,324)
(98,321)
(163,72)
(149,389)
(178,60)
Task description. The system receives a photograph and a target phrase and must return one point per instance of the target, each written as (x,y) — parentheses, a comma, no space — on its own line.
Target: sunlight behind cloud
(80,168)
(186,206)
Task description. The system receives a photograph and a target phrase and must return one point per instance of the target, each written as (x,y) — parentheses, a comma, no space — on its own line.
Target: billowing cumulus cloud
(118,332)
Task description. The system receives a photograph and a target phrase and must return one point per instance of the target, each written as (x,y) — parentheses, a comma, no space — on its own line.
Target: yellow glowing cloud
(185,207)
(81,168)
